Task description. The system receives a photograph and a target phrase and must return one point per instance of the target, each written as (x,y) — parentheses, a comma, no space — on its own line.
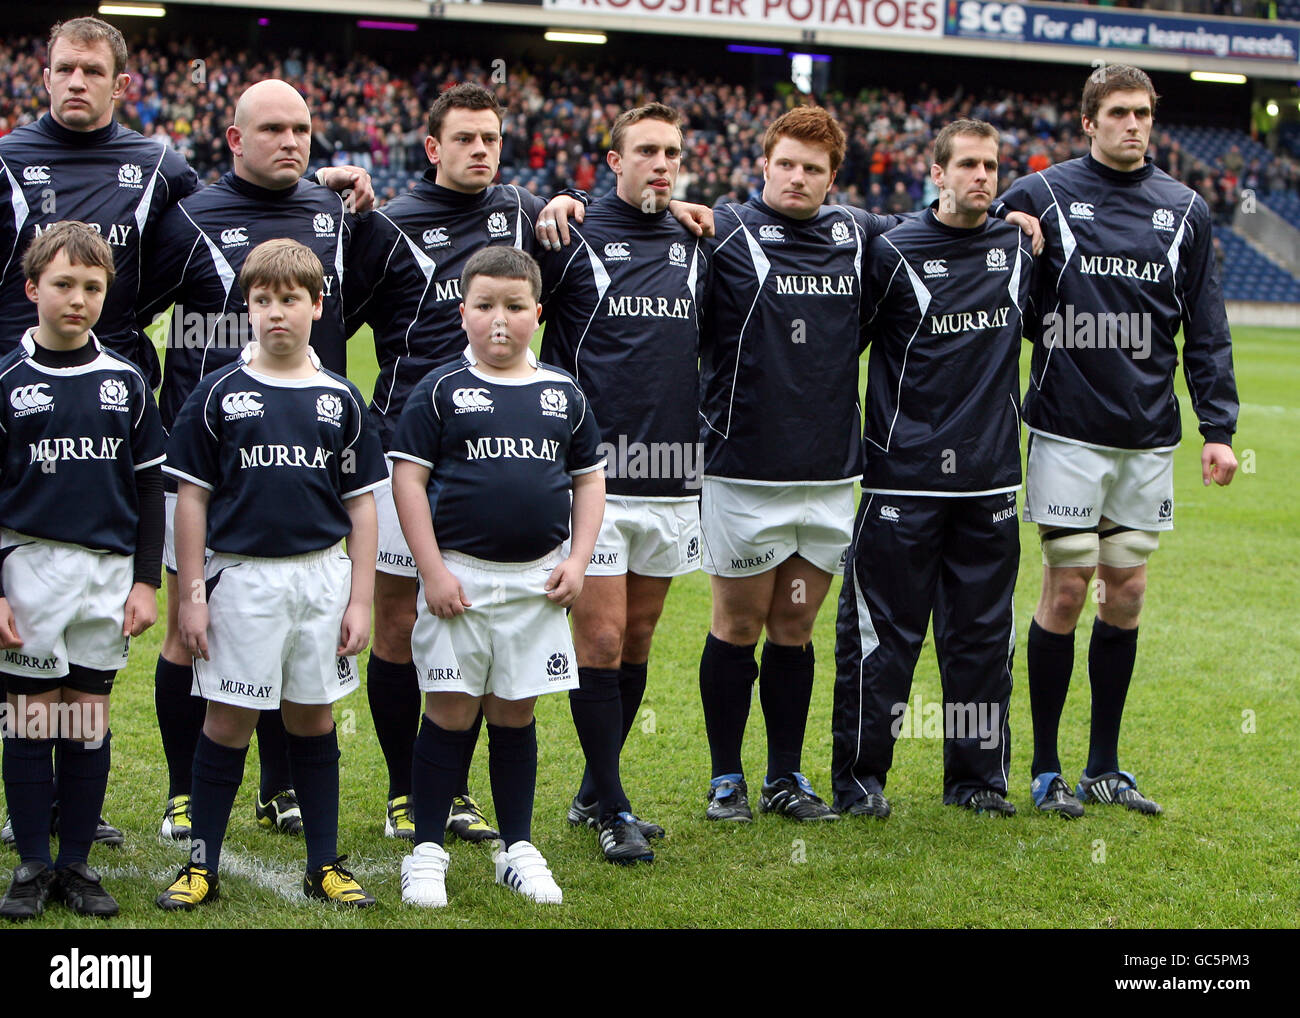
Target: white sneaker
(522,868)
(424,876)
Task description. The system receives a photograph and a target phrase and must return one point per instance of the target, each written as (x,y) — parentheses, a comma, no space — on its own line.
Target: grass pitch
(1210,731)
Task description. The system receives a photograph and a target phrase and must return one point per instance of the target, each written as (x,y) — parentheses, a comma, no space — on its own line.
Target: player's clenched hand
(9,637)
(354,178)
(696,218)
(354,634)
(553,224)
(565,582)
(193,625)
(1218,464)
(141,609)
(1031,227)
(444,595)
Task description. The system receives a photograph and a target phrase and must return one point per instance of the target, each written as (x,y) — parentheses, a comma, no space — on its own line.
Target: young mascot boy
(486,453)
(74,418)
(276,460)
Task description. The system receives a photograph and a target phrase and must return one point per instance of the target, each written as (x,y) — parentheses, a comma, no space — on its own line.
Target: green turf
(1218,648)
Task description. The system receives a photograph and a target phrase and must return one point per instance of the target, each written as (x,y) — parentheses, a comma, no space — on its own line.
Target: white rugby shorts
(751,528)
(512,641)
(1072,485)
(69,604)
(647,536)
(394,554)
(273,628)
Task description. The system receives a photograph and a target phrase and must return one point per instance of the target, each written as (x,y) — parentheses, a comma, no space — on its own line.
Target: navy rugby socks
(218,770)
(727,676)
(597,715)
(512,766)
(83,780)
(394,696)
(273,752)
(785,685)
(1111,654)
(29,794)
(180,719)
(631,689)
(1050,659)
(439,755)
(314,761)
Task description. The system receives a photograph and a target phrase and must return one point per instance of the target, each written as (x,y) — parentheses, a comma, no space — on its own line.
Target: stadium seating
(1286,205)
(1248,275)
(564,107)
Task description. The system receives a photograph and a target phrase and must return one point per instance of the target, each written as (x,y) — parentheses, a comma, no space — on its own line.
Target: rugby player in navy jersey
(404,280)
(74,418)
(276,460)
(498,483)
(1129,262)
(78,163)
(936,529)
(623,308)
(198,252)
(779,360)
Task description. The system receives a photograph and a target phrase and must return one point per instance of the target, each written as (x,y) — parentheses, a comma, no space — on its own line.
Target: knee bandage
(1124,548)
(1064,547)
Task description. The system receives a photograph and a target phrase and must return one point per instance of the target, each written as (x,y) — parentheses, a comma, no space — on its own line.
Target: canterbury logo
(435,235)
(241,402)
(30,397)
(936,267)
(771,231)
(889,512)
(36,174)
(1080,210)
(617,250)
(234,236)
(471,399)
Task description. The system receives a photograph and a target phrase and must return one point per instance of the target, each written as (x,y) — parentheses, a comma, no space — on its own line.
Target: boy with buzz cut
(76,586)
(276,459)
(486,454)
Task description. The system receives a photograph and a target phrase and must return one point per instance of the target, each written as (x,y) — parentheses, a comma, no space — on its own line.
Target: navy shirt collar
(84,139)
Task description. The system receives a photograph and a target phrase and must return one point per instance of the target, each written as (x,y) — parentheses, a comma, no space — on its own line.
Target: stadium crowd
(560,115)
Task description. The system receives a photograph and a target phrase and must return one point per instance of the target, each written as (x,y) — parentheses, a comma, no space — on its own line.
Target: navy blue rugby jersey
(1129,259)
(280,457)
(502,452)
(71,441)
(623,307)
(404,277)
(946,306)
(780,345)
(115,180)
(194,262)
